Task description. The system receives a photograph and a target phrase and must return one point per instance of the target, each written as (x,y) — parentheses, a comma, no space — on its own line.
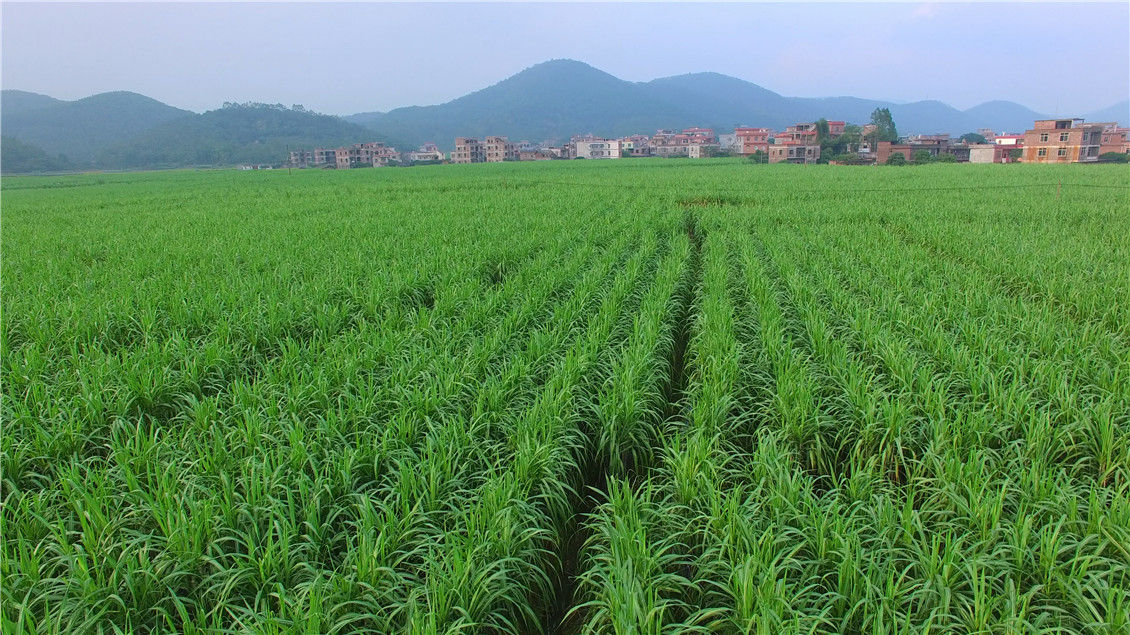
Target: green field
(640,396)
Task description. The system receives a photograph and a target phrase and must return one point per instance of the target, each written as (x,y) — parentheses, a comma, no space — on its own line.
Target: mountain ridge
(704,98)
(549,101)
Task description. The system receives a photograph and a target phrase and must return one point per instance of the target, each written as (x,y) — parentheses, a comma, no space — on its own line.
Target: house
(752,140)
(299,158)
(1114,139)
(468,150)
(635,146)
(1062,141)
(598,149)
(934,145)
(499,149)
(1008,140)
(989,153)
(347,157)
(794,152)
(803,133)
(535,155)
(426,152)
(324,157)
(667,143)
(938,140)
(701,150)
(378,154)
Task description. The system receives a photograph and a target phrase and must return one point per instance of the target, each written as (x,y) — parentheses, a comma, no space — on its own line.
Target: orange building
(1062,141)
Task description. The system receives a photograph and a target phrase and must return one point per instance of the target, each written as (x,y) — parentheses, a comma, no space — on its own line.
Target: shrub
(923,156)
(1113,157)
(896,159)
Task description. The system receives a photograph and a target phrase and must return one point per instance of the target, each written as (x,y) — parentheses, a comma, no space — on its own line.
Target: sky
(1059,58)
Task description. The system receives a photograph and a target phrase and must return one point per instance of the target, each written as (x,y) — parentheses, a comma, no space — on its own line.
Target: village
(1064,140)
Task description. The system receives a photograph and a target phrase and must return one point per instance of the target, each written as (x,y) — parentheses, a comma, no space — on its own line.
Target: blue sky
(346,58)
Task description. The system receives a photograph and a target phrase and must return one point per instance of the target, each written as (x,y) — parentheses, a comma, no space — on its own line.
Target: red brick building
(499,149)
(1114,139)
(1062,141)
(468,150)
(751,140)
(793,152)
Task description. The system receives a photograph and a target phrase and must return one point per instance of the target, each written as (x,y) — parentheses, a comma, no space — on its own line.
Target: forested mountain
(18,157)
(559,98)
(236,133)
(82,128)
(549,101)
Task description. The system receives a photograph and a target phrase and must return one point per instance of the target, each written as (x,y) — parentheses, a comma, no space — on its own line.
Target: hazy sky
(346,58)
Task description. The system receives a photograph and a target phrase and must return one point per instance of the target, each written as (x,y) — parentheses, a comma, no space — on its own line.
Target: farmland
(633,397)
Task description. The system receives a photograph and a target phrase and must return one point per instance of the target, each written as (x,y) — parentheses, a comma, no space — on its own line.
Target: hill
(17,157)
(13,102)
(81,129)
(559,98)
(550,100)
(1119,112)
(236,133)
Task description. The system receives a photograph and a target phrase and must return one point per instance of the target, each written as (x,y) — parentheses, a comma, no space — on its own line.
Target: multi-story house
(378,154)
(1008,140)
(499,149)
(667,143)
(752,140)
(801,133)
(535,155)
(468,150)
(934,145)
(348,157)
(635,146)
(299,158)
(426,152)
(786,151)
(598,149)
(325,157)
(1114,139)
(1062,141)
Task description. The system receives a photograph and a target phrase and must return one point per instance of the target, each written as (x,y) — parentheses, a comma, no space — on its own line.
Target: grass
(640,396)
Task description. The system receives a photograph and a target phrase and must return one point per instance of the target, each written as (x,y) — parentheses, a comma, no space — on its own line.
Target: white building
(598,149)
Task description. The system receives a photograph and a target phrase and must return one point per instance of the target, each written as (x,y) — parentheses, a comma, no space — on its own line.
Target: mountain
(1119,112)
(1003,116)
(559,98)
(18,101)
(17,157)
(236,133)
(82,128)
(553,99)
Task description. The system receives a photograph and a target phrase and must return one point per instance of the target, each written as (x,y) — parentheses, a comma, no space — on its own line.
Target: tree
(896,159)
(884,126)
(715,152)
(822,134)
(923,156)
(1113,157)
(973,137)
(758,157)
